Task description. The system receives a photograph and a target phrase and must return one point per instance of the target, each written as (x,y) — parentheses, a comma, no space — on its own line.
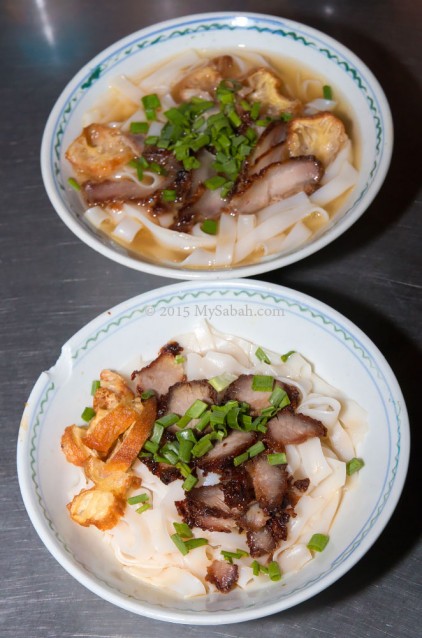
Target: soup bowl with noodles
(217,145)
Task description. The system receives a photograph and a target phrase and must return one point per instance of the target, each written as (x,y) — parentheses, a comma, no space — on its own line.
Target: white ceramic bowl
(217,31)
(275,317)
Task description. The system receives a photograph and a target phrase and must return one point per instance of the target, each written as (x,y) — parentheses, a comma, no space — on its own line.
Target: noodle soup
(214,161)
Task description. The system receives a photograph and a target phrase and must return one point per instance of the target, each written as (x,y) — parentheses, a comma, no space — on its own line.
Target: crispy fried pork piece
(100,151)
(204,78)
(112,391)
(205,507)
(109,479)
(269,482)
(237,489)
(268,90)
(260,542)
(103,432)
(241,390)
(127,449)
(287,428)
(161,373)
(97,507)
(274,134)
(276,182)
(223,575)
(222,454)
(254,518)
(321,135)
(73,446)
(183,394)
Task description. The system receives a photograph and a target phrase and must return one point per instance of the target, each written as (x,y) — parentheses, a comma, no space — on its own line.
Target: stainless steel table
(52,284)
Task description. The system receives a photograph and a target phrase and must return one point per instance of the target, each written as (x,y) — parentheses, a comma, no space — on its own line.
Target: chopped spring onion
(94,387)
(183,421)
(286,117)
(168,419)
(169,195)
(318,542)
(149,446)
(221,381)
(180,544)
(189,482)
(144,455)
(74,184)
(151,140)
(274,572)
(193,543)
(214,182)
(138,128)
(262,383)
(238,460)
(185,450)
(151,101)
(157,433)
(139,498)
(203,446)
(179,358)
(230,555)
(203,421)
(354,465)
(255,568)
(256,106)
(143,508)
(183,530)
(284,357)
(88,414)
(196,409)
(209,226)
(279,398)
(255,449)
(147,395)
(327,92)
(184,469)
(277,459)
(261,355)
(186,435)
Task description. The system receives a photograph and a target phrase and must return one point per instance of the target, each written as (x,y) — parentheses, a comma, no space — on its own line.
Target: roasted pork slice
(237,488)
(111,191)
(274,134)
(241,390)
(223,575)
(222,454)
(269,482)
(161,373)
(183,394)
(210,497)
(276,182)
(254,518)
(166,473)
(196,514)
(100,151)
(260,542)
(276,154)
(288,428)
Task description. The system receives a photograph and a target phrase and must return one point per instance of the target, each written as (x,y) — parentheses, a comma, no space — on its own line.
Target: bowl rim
(87,75)
(46,532)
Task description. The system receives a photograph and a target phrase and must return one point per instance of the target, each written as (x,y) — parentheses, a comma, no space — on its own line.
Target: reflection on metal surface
(45,22)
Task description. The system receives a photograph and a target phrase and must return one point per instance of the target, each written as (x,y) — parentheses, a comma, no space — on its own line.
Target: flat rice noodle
(225,240)
(331,483)
(313,462)
(294,558)
(333,169)
(296,237)
(126,88)
(322,523)
(199,258)
(96,215)
(346,178)
(174,579)
(341,442)
(159,81)
(295,201)
(324,409)
(355,421)
(127,229)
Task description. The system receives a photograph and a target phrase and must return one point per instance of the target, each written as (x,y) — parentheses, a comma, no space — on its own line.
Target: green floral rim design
(139,310)
(217,23)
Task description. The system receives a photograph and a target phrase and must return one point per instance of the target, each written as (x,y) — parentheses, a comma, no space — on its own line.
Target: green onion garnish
(238,460)
(168,419)
(262,356)
(274,572)
(196,409)
(189,482)
(179,358)
(327,92)
(180,544)
(256,106)
(262,383)
(277,459)
(169,195)
(284,357)
(255,568)
(139,128)
(184,469)
(151,140)
(144,507)
(209,226)
(157,433)
(151,101)
(140,498)
(88,414)
(230,555)
(147,395)
(354,465)
(318,542)
(186,435)
(203,446)
(193,543)
(183,530)
(74,184)
(279,398)
(94,387)
(221,381)
(255,449)
(185,450)
(150,446)
(214,182)
(286,117)
(203,421)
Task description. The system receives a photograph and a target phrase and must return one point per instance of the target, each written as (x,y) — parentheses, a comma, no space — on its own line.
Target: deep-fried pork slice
(127,449)
(73,446)
(254,518)
(269,482)
(97,507)
(287,428)
(182,395)
(222,454)
(112,391)
(268,90)
(241,390)
(100,151)
(322,135)
(276,182)
(103,432)
(223,575)
(109,479)
(161,373)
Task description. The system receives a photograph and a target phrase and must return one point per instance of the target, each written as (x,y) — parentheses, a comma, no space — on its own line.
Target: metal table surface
(52,284)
